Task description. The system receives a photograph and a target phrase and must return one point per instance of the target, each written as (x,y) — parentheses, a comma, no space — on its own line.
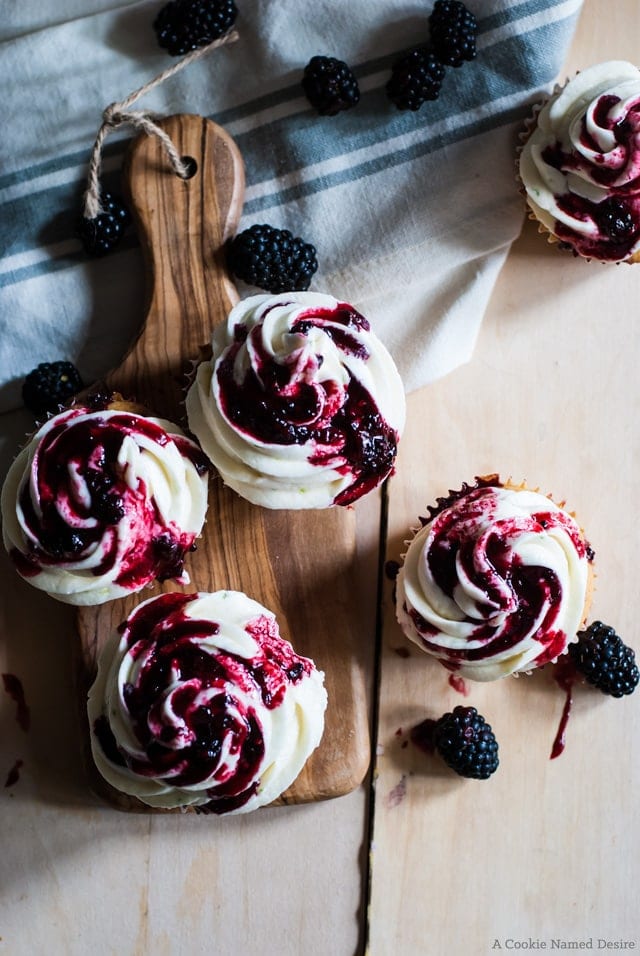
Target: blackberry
(272,259)
(49,385)
(605,660)
(615,219)
(185,25)
(102,233)
(415,77)
(466,743)
(453,32)
(330,85)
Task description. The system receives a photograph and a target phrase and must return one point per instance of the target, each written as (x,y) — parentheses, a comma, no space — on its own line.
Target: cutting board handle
(183,225)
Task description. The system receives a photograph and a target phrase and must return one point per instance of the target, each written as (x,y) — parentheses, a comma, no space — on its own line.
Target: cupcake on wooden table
(496,581)
(102,501)
(580,164)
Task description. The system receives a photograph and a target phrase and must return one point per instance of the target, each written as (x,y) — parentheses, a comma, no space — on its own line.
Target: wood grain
(301,565)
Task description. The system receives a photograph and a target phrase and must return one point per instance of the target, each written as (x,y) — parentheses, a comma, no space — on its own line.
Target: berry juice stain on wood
(397,794)
(14,774)
(15,690)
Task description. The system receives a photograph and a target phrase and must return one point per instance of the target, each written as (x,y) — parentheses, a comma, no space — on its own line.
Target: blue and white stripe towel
(412,214)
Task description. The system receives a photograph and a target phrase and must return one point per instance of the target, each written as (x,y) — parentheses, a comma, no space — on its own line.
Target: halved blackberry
(415,77)
(102,233)
(49,385)
(466,743)
(605,660)
(330,85)
(272,259)
(184,25)
(453,32)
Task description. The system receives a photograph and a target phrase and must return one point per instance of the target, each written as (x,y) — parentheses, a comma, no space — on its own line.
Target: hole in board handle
(191,166)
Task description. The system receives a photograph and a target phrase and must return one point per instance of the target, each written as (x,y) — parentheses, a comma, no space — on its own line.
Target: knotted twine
(119,114)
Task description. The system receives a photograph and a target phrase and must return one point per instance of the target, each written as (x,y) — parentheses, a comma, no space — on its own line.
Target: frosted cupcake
(580,164)
(199,702)
(301,405)
(496,581)
(103,501)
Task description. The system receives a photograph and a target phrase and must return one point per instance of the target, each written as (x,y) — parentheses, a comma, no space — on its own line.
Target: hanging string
(119,114)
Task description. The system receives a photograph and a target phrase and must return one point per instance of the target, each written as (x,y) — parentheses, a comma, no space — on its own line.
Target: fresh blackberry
(615,219)
(184,25)
(605,660)
(466,742)
(415,77)
(49,385)
(330,85)
(100,234)
(272,259)
(453,32)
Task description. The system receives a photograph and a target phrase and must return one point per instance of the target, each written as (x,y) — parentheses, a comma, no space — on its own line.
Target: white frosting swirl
(200,702)
(580,166)
(102,502)
(494,583)
(301,405)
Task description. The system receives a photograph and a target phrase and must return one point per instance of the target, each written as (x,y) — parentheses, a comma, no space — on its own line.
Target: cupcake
(103,501)
(580,164)
(301,405)
(198,702)
(496,581)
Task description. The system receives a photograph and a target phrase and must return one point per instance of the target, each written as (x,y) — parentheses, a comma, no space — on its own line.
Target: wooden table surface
(545,855)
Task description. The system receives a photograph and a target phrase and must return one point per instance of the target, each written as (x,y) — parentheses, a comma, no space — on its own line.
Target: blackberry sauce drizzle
(283,402)
(194,710)
(78,496)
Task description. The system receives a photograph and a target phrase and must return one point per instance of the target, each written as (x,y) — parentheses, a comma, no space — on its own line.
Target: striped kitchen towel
(412,214)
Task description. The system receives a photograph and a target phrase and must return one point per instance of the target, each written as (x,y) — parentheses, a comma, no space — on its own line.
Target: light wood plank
(544,849)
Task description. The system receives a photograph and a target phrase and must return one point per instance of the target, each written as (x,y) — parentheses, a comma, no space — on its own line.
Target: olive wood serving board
(300,564)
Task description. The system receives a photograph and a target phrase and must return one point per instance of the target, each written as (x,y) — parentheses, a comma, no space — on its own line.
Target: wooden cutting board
(301,565)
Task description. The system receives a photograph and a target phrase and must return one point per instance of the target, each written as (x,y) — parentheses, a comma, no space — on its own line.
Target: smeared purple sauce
(68,527)
(283,403)
(14,774)
(459,684)
(565,675)
(15,690)
(207,699)
(615,221)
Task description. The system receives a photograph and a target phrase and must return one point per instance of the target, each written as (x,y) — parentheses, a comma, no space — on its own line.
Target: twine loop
(119,114)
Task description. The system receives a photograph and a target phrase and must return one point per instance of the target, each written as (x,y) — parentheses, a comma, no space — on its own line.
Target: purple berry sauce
(167,640)
(15,690)
(283,404)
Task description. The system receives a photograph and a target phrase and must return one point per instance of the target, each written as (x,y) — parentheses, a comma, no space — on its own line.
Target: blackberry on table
(272,259)
(605,660)
(185,25)
(102,233)
(466,743)
(49,385)
(330,85)
(415,77)
(453,32)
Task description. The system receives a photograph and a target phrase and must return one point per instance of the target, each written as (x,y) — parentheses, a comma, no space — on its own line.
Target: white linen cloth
(412,214)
